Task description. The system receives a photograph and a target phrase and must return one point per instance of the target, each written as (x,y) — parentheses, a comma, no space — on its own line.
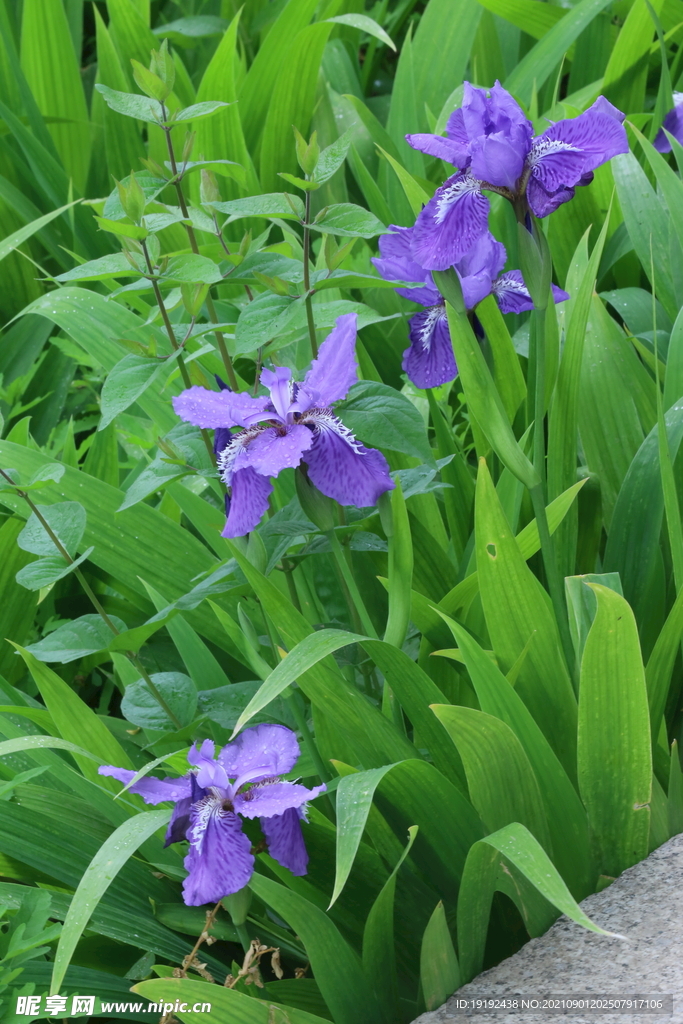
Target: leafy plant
(482,667)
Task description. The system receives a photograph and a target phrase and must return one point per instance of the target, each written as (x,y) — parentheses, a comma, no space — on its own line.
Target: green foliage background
(438,692)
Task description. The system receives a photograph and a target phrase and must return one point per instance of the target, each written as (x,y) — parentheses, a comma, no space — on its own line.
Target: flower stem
(211,309)
(354,592)
(174,344)
(307,277)
(90,594)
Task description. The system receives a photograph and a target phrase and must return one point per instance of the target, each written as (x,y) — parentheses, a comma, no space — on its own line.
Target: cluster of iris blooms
(491,143)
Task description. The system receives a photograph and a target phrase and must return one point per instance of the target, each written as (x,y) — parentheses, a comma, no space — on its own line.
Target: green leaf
(76,722)
(647,224)
(103,868)
(516,608)
(479,882)
(132,105)
(198,111)
(483,400)
(332,157)
(67,520)
(416,791)
(141,708)
(539,63)
(85,635)
(439,968)
(379,954)
(332,959)
(564,411)
(225,1004)
(13,241)
(126,382)
(291,101)
(348,220)
(384,418)
(120,227)
(53,73)
(272,204)
(502,784)
(46,571)
(103,269)
(614,755)
(365,24)
(414,192)
(192,269)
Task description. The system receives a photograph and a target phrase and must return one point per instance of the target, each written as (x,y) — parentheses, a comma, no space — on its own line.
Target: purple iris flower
(673,122)
(429,360)
(294,423)
(491,142)
(243,780)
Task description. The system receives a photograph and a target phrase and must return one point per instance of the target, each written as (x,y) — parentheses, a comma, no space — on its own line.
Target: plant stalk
(349,581)
(211,309)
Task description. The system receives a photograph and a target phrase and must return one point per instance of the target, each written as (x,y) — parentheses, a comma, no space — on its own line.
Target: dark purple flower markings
(294,424)
(210,801)
(491,142)
(429,360)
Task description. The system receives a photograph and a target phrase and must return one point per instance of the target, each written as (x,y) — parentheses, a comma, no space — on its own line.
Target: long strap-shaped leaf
(99,874)
(516,844)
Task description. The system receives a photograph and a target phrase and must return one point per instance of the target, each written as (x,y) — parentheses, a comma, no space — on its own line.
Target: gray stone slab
(644,905)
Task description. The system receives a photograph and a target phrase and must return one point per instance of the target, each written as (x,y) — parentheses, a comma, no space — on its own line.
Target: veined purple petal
(541,202)
(278,382)
(438,146)
(429,361)
(450,223)
(285,840)
(335,369)
(511,293)
(275,449)
(179,823)
(396,263)
(219,860)
(571,148)
(151,789)
(603,106)
(213,409)
(341,467)
(513,296)
(673,123)
(265,750)
(249,500)
(273,798)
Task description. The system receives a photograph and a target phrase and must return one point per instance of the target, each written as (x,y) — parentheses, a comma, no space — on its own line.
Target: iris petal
(341,467)
(450,223)
(285,840)
(429,361)
(250,494)
(273,798)
(334,370)
(219,860)
(214,409)
(274,749)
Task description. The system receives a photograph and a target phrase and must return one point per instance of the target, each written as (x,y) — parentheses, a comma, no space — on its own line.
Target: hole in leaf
(491,549)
